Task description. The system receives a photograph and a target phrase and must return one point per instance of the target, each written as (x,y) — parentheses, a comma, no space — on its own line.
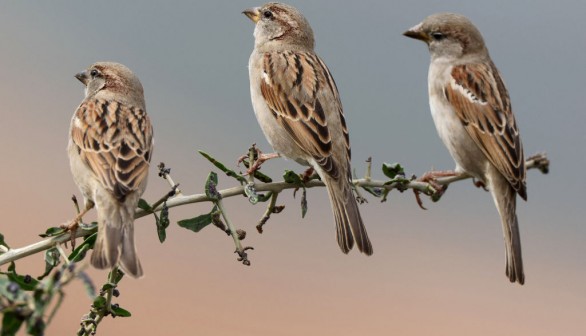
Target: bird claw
(307,174)
(259,159)
(479,184)
(418,199)
(73,232)
(72,229)
(431,178)
(74,223)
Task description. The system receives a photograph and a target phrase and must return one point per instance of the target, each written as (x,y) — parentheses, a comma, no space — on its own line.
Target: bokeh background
(435,272)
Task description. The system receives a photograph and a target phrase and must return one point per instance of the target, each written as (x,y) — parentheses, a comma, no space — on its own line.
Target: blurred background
(435,272)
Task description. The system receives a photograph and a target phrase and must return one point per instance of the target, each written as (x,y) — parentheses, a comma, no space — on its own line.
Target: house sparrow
(472,113)
(110,146)
(297,105)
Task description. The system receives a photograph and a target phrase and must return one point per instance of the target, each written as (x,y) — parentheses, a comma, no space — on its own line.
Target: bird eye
(267,14)
(94,73)
(437,36)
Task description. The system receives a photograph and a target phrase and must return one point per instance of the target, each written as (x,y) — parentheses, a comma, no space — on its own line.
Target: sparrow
(472,112)
(297,105)
(110,147)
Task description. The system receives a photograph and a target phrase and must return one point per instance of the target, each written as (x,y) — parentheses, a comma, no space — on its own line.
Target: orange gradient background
(435,272)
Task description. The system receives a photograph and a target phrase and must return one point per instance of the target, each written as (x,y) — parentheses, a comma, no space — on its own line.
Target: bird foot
(307,174)
(431,178)
(73,225)
(259,159)
(479,184)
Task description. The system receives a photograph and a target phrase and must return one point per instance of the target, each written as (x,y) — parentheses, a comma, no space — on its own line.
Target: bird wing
(115,142)
(481,101)
(301,93)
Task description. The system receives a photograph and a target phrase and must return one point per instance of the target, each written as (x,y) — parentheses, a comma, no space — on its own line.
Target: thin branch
(538,161)
(271,209)
(89,323)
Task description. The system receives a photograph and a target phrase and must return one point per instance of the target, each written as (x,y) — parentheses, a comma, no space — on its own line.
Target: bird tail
(349,225)
(115,242)
(505,199)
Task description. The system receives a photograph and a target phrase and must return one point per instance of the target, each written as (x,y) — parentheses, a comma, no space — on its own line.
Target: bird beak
(417,33)
(82,77)
(253,14)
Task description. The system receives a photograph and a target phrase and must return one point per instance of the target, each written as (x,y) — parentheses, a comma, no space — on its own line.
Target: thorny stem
(538,161)
(164,199)
(166,174)
(233,232)
(90,325)
(251,153)
(268,212)
(368,173)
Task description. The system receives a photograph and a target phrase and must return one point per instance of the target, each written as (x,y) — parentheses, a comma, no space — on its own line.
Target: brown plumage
(110,147)
(299,110)
(489,119)
(472,112)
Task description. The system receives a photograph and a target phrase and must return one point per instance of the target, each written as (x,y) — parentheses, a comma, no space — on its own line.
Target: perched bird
(110,146)
(297,105)
(472,113)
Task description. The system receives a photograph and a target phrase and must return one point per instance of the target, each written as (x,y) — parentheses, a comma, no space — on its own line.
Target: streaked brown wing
(298,87)
(481,101)
(115,141)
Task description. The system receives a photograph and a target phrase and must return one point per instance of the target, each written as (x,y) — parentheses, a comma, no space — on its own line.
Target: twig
(271,209)
(63,254)
(251,154)
(90,325)
(368,173)
(165,173)
(538,161)
(234,233)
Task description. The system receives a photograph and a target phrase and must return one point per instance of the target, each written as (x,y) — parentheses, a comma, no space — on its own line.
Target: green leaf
(11,291)
(401,182)
(162,223)
(142,204)
(120,312)
(2,241)
(303,203)
(35,326)
(265,197)
(262,177)
(80,251)
(26,282)
(89,226)
(223,168)
(118,276)
(108,286)
(385,195)
(11,323)
(292,177)
(210,187)
(392,170)
(99,302)
(376,192)
(52,231)
(52,259)
(197,223)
